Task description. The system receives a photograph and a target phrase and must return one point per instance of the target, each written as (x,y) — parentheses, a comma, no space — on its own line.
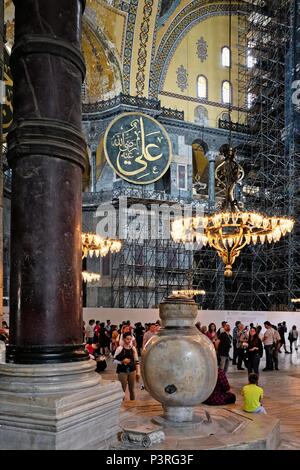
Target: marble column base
(57,406)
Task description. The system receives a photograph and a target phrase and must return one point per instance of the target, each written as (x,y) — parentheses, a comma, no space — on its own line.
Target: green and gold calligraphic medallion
(138,148)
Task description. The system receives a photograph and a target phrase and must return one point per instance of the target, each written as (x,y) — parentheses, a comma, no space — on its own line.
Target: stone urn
(179,365)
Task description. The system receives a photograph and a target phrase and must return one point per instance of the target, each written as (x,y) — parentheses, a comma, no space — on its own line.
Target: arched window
(201,116)
(226,56)
(225,117)
(226,92)
(202,86)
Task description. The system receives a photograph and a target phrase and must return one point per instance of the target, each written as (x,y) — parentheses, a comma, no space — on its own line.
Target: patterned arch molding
(184,22)
(143,46)
(154,38)
(131,9)
(191,8)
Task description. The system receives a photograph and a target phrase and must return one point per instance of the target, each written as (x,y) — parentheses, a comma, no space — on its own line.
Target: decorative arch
(96,43)
(200,165)
(191,15)
(201,116)
(225,116)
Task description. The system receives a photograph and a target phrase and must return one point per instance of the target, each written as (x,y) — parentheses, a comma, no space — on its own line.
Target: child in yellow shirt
(253,395)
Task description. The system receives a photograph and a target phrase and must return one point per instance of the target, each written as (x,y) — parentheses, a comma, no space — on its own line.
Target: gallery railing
(123,100)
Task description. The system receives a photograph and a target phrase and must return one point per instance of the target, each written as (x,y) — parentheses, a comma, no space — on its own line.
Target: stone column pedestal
(57,407)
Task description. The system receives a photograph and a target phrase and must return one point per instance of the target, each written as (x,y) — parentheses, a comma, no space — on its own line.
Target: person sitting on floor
(221,394)
(253,395)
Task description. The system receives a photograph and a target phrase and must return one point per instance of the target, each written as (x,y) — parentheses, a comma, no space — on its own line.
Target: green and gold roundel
(138,148)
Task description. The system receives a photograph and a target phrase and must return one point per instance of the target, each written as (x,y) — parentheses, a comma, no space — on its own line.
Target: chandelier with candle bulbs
(93,244)
(90,277)
(231,229)
(187,292)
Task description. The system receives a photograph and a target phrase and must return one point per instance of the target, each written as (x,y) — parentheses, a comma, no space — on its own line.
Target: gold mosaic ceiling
(103,76)
(103,80)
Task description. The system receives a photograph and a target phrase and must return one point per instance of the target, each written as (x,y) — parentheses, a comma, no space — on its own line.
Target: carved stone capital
(211,155)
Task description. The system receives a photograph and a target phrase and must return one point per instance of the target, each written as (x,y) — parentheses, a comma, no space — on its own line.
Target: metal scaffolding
(148,268)
(265,276)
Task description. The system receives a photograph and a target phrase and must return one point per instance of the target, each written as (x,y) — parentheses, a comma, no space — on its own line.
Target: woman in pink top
(212,332)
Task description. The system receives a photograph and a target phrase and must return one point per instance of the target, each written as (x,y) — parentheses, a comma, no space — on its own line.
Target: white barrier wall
(117,315)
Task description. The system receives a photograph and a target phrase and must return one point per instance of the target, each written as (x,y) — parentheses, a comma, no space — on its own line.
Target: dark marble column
(47,154)
(1,159)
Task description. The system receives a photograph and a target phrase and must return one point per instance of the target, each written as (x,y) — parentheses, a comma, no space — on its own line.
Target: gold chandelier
(231,229)
(93,244)
(187,292)
(90,277)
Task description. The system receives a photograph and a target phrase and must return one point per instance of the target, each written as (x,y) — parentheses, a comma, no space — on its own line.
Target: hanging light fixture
(90,277)
(93,244)
(230,230)
(187,293)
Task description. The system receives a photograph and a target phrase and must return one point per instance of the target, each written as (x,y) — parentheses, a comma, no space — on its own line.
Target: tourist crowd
(246,344)
(125,342)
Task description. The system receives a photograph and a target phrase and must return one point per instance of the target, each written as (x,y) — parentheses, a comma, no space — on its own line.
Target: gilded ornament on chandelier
(94,245)
(231,229)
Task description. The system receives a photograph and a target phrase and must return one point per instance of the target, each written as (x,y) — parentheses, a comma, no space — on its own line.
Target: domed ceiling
(103,71)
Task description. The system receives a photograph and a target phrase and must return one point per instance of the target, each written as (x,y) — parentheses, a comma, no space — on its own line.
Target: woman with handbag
(255,351)
(128,368)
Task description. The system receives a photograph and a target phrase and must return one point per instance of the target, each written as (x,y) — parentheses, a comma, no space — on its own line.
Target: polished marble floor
(282,395)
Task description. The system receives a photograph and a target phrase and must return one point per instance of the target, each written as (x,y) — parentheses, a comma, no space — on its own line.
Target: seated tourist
(221,394)
(91,349)
(101,363)
(253,395)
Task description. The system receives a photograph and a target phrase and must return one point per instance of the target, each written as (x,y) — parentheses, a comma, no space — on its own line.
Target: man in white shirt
(89,332)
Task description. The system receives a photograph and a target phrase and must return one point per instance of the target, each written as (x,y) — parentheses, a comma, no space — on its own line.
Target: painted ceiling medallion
(182,78)
(202,49)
